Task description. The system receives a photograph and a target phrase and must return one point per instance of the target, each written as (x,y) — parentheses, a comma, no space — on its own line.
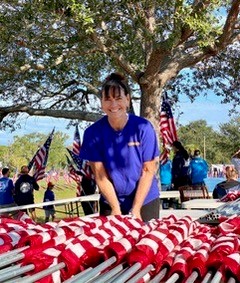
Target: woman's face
(116,103)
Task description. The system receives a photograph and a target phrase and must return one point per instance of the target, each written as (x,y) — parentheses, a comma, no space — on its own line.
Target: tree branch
(229,26)
(119,58)
(67,114)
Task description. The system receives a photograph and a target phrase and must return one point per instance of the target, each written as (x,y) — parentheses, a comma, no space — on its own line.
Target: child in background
(49,196)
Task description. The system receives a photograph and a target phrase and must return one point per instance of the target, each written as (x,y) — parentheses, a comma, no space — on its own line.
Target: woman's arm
(148,172)
(105,186)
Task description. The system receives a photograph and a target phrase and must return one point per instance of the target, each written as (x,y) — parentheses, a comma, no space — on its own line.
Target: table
(169,194)
(68,203)
(179,213)
(202,203)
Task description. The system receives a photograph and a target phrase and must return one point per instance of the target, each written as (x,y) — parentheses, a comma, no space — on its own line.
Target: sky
(206,108)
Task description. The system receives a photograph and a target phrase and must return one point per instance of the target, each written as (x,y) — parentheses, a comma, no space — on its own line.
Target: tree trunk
(151,103)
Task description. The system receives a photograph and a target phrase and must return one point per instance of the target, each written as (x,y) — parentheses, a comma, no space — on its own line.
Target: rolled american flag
(178,232)
(146,249)
(222,247)
(187,251)
(231,266)
(198,261)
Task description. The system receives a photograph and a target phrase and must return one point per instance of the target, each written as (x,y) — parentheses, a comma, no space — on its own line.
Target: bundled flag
(83,167)
(167,129)
(76,142)
(73,174)
(39,161)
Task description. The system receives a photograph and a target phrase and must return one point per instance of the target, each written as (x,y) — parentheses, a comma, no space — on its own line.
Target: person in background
(231,183)
(24,190)
(49,196)
(6,190)
(199,168)
(180,166)
(88,187)
(165,172)
(123,153)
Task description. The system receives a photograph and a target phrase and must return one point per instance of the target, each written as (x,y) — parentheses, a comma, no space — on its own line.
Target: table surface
(179,213)
(169,194)
(202,203)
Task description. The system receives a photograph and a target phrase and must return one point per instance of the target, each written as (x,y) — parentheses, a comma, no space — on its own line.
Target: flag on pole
(39,160)
(76,142)
(167,129)
(72,171)
(83,167)
(167,124)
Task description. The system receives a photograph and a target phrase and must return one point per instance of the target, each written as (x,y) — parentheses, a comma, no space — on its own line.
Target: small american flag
(72,171)
(39,160)
(83,167)
(167,124)
(76,141)
(167,129)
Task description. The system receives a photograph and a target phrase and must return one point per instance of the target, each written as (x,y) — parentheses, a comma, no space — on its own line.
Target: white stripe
(52,252)
(149,243)
(158,234)
(60,239)
(177,235)
(126,244)
(179,259)
(46,237)
(168,244)
(15,237)
(77,249)
(93,241)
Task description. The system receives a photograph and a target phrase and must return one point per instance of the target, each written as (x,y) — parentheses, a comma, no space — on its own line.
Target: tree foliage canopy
(55,53)
(23,148)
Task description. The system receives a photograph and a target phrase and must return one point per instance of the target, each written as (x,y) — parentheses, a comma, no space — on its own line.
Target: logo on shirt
(25,187)
(2,187)
(133,143)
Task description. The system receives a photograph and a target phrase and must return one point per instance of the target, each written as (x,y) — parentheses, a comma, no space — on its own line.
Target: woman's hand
(116,211)
(136,213)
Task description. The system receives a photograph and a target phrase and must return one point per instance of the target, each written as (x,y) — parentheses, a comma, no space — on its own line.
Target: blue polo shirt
(199,170)
(123,154)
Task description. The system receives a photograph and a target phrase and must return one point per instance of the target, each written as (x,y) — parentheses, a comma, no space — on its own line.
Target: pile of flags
(174,249)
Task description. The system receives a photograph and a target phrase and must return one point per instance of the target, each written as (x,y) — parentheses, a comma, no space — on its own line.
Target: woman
(123,151)
(231,184)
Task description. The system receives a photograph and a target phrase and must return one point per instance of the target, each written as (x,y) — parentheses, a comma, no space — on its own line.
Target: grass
(62,190)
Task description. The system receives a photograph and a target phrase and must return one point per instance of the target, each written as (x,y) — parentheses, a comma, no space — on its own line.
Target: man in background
(6,190)
(199,168)
(24,190)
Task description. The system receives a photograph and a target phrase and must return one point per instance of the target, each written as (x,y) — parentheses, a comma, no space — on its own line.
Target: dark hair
(180,147)
(5,170)
(196,152)
(115,80)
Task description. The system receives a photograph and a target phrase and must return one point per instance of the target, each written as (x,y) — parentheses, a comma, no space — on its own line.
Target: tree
(23,148)
(228,143)
(55,53)
(198,135)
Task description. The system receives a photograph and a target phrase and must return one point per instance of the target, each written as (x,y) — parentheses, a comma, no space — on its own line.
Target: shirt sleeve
(149,143)
(91,149)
